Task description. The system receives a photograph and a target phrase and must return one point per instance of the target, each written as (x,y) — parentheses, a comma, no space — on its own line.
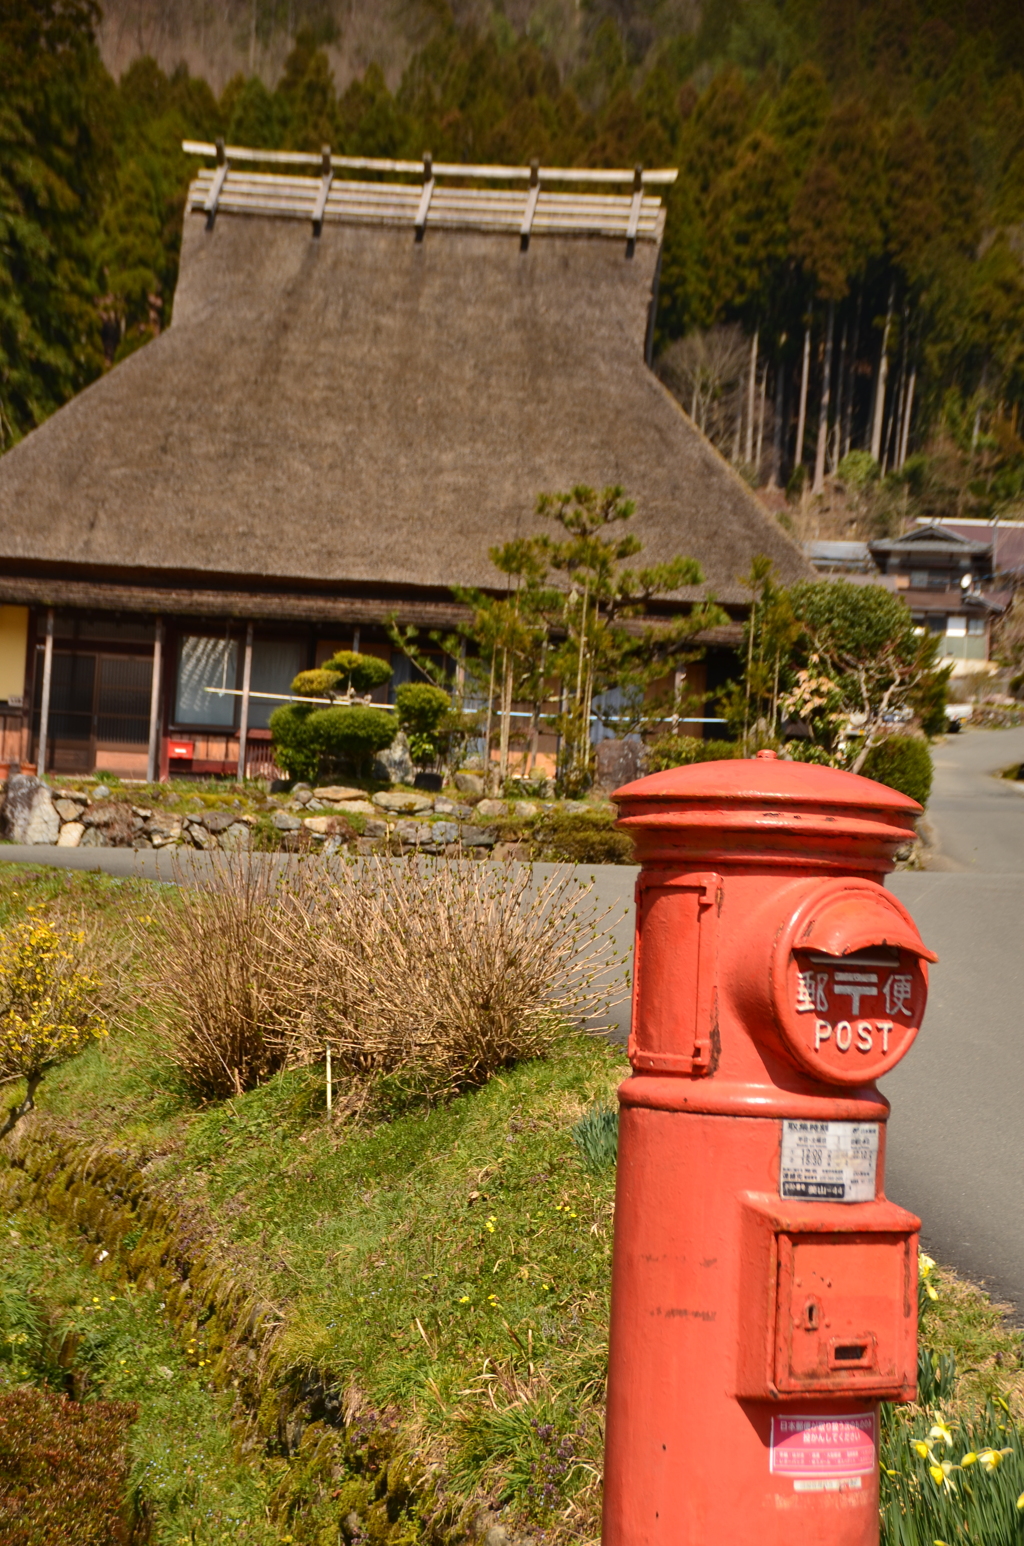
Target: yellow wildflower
(992,1459)
(940,1431)
(940,1475)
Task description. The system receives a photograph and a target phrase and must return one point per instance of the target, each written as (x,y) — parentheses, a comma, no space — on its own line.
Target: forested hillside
(843,258)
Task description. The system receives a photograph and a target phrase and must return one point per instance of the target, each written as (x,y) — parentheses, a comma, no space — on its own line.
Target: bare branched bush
(434,974)
(445,972)
(705,371)
(213,946)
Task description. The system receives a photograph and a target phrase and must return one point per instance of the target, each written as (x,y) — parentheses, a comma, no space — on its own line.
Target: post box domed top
(765,809)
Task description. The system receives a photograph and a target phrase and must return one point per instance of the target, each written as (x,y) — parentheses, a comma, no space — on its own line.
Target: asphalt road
(978,820)
(955,1151)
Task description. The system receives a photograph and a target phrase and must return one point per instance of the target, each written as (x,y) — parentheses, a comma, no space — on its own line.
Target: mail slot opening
(871,955)
(850,1352)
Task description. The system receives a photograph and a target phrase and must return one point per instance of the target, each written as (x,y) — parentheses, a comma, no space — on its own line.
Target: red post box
(764,1290)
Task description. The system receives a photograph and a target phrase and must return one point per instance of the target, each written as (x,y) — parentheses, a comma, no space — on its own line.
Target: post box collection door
(764,1288)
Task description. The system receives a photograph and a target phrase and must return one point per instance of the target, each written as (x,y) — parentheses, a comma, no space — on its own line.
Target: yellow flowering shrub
(46,1004)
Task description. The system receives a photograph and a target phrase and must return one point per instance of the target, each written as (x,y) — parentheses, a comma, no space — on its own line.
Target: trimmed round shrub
(294,751)
(309,741)
(904,762)
(421,709)
(350,736)
(360,672)
(316,684)
(676,751)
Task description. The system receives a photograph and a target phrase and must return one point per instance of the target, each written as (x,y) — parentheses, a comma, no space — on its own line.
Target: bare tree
(707,372)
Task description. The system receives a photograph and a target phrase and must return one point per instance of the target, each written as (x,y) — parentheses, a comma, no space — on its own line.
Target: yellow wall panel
(13,638)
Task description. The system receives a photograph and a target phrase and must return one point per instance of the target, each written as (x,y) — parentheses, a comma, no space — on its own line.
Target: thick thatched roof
(360,408)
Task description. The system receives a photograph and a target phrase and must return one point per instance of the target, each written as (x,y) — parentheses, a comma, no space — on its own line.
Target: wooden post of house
(243,721)
(152,759)
(44,706)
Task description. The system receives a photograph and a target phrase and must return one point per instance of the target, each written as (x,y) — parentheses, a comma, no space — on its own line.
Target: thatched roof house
(358,397)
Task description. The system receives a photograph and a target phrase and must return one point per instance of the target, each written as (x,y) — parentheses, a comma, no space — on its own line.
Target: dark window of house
(275,665)
(72,685)
(122,703)
(205,663)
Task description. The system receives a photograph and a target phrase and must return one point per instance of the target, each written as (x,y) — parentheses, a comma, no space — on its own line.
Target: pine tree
(55,148)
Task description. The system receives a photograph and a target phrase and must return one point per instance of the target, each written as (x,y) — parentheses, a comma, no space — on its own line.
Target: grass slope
(439,1281)
(69,1329)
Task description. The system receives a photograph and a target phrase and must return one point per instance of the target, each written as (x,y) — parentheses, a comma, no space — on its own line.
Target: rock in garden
(202,836)
(575,807)
(101,792)
(335,793)
(414,832)
(236,838)
(302,796)
(619,761)
(375,828)
(164,825)
(402,804)
(94,837)
(396,762)
(328,826)
(67,810)
(70,834)
(356,808)
(444,832)
(216,821)
(524,809)
(285,823)
(491,808)
(29,816)
(469,783)
(101,815)
(477,837)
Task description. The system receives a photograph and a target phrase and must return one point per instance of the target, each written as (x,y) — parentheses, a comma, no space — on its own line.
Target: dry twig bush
(430,974)
(440,973)
(213,979)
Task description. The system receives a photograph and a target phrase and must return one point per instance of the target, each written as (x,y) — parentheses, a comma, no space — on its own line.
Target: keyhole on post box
(812,1315)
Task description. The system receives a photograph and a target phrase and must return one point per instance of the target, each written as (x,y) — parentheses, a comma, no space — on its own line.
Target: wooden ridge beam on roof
(528,212)
(653,177)
(327,177)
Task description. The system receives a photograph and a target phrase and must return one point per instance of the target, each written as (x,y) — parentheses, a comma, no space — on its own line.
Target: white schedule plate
(829,1161)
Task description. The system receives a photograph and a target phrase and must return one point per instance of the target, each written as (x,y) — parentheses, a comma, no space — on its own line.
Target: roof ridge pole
(326,178)
(428,192)
(154,703)
(634,209)
(217,186)
(531,205)
(44,704)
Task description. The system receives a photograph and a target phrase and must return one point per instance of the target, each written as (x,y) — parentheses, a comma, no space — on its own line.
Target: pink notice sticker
(816,1448)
